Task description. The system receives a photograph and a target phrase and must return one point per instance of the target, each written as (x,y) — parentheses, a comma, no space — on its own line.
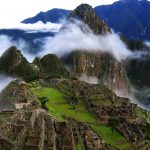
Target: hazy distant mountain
(54,16)
(33,39)
(129,17)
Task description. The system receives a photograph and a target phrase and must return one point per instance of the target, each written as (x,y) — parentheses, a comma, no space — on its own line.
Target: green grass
(141,113)
(101,101)
(79,145)
(4,117)
(113,139)
(58,106)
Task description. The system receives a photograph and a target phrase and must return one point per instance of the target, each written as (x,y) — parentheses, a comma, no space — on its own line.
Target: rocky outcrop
(87,14)
(101,65)
(116,78)
(116,75)
(96,64)
(85,63)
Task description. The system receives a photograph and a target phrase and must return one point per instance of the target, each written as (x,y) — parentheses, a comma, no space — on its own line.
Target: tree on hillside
(113,122)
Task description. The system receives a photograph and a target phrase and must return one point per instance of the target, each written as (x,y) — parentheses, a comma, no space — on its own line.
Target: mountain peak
(132,1)
(86,13)
(10,59)
(54,15)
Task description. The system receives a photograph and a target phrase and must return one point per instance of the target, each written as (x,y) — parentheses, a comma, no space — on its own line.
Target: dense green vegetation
(51,65)
(26,71)
(141,113)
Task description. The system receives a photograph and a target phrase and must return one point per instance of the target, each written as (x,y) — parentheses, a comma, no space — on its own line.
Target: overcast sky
(14,11)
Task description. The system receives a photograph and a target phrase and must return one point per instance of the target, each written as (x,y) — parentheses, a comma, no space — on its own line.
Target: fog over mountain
(77,39)
(4,81)
(27,37)
(72,33)
(39,39)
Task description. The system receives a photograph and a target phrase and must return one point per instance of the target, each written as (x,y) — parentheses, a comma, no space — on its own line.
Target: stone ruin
(37,130)
(124,110)
(91,141)
(130,130)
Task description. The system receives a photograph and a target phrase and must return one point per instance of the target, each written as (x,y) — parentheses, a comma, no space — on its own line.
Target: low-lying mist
(6,42)
(89,79)
(25,42)
(4,81)
(71,37)
(36,27)
(141,97)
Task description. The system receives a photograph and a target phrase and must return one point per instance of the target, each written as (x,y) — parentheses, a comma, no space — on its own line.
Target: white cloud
(73,38)
(89,79)
(6,42)
(69,39)
(147,43)
(36,27)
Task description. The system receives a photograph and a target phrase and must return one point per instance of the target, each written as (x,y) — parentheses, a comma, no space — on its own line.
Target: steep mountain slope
(118,76)
(96,64)
(86,13)
(16,92)
(33,39)
(129,17)
(14,63)
(10,59)
(54,16)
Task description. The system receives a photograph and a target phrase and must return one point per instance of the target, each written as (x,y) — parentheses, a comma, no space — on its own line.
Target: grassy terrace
(58,106)
(79,145)
(141,113)
(4,117)
(115,139)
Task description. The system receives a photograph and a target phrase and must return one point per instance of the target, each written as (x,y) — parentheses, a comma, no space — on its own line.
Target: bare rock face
(101,65)
(87,14)
(96,64)
(85,63)
(116,75)
(116,79)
